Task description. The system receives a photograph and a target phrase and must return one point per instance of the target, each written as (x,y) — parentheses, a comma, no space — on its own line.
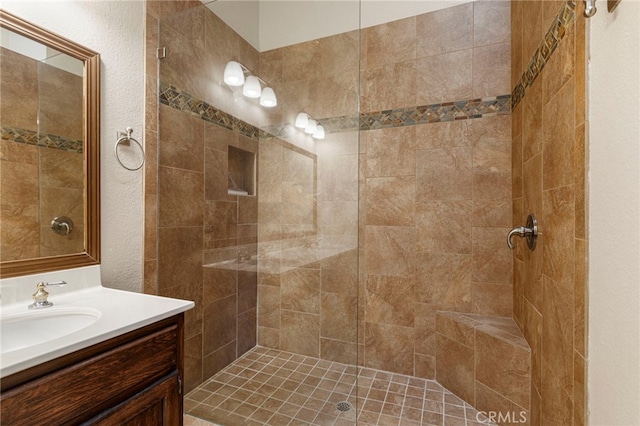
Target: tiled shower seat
(484,360)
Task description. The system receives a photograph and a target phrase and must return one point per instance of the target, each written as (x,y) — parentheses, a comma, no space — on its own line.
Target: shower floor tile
(270,387)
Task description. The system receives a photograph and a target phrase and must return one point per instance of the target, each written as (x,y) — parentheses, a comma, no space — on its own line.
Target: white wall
(115,29)
(270,24)
(614,215)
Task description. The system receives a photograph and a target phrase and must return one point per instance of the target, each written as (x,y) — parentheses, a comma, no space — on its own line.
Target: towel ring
(126,138)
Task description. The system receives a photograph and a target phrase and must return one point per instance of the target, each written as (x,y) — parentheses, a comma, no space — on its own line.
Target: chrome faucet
(40,296)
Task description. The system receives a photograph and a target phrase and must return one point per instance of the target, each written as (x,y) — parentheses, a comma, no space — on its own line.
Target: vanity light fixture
(302,119)
(233,74)
(268,98)
(309,125)
(319,133)
(252,88)
(236,75)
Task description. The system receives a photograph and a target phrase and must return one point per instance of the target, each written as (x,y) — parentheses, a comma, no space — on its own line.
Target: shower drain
(344,406)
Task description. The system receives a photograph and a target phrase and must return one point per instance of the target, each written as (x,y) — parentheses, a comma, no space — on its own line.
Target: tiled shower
(345,249)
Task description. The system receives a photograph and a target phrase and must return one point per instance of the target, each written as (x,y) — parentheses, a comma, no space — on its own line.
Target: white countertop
(121,312)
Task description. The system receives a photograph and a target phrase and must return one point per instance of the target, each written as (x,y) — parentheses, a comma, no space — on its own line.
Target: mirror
(49,153)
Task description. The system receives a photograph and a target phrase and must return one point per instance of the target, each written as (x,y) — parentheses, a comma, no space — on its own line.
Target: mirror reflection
(49,162)
(42,151)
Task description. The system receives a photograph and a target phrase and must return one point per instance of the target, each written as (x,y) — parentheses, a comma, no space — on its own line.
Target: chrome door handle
(530,231)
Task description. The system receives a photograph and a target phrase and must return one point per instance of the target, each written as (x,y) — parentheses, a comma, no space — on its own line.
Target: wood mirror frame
(91,110)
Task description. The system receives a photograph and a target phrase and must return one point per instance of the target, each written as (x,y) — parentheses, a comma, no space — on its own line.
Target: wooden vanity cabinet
(134,379)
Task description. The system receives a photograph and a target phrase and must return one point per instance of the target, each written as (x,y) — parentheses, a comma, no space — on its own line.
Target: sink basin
(31,328)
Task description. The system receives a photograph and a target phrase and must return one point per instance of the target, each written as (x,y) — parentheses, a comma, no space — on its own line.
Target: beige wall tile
(300,333)
(509,377)
(217,360)
(446,30)
(390,43)
(338,317)
(517,42)
(338,351)
(491,70)
(533,28)
(491,22)
(388,86)
(19,85)
(389,348)
(183,65)
(19,184)
(558,250)
(489,400)
(389,152)
(458,328)
(390,250)
(193,362)
(580,414)
(444,279)
(559,139)
(219,326)
(492,299)
(181,139)
(64,169)
(180,256)
(436,83)
(300,290)
(444,226)
(425,366)
(390,201)
(425,331)
(389,300)
(20,232)
(455,367)
(178,205)
(491,261)
(444,174)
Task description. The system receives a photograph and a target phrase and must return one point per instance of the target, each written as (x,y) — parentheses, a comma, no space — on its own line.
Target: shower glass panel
(257,213)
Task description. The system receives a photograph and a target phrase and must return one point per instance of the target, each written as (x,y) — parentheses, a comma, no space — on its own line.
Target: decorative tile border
(435,113)
(552,38)
(183,101)
(29,137)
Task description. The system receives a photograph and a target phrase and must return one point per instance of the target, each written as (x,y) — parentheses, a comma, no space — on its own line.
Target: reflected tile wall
(548,76)
(41,154)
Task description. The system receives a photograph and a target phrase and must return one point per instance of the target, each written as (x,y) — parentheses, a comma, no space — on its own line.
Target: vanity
(93,355)
(123,366)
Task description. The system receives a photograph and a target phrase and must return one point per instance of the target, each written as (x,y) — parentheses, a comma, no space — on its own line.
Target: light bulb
(311,127)
(252,87)
(319,133)
(233,74)
(302,119)
(268,98)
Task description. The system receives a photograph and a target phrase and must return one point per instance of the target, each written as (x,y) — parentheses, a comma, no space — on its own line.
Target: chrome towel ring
(125,138)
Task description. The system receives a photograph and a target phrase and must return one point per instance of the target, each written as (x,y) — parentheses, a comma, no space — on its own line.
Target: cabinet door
(158,405)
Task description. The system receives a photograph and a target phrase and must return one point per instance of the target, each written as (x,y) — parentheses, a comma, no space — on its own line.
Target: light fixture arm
(590,8)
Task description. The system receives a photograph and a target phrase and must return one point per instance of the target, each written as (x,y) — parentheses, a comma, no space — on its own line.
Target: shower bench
(484,360)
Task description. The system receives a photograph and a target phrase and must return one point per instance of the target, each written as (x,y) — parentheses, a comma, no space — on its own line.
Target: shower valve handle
(530,231)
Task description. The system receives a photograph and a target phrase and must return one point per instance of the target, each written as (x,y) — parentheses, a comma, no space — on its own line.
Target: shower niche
(241,176)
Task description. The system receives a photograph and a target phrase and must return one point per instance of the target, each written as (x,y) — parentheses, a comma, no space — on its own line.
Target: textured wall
(614,215)
(549,180)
